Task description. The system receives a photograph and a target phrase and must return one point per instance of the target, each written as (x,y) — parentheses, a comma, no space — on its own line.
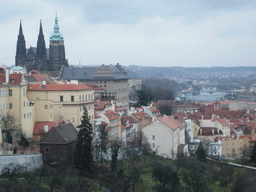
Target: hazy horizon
(200,33)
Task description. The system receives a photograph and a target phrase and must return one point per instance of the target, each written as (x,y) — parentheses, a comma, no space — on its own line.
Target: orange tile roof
(57,87)
(14,79)
(111,115)
(96,114)
(223,122)
(170,122)
(100,105)
(39,126)
(122,126)
(140,115)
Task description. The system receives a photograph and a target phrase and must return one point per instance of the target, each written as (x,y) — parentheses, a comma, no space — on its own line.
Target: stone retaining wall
(32,162)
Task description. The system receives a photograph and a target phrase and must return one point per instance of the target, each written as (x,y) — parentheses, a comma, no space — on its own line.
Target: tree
(115,146)
(245,157)
(201,153)
(101,142)
(167,176)
(143,98)
(23,142)
(253,155)
(9,137)
(83,158)
(8,123)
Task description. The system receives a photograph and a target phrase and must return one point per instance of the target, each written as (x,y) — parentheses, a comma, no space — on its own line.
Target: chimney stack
(7,76)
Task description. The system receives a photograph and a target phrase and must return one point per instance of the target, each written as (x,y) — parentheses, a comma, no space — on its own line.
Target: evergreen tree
(253,155)
(23,142)
(201,153)
(83,158)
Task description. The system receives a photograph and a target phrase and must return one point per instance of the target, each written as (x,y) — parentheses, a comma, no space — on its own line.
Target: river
(216,96)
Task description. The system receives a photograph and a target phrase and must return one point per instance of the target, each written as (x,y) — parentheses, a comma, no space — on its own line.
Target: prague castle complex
(41,58)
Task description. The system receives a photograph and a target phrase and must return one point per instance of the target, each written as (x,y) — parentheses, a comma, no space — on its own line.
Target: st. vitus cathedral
(41,58)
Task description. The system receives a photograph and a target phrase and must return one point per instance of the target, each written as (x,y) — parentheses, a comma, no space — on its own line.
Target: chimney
(74,82)
(46,128)
(212,131)
(7,76)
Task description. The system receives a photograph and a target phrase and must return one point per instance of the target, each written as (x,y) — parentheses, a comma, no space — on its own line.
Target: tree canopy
(83,157)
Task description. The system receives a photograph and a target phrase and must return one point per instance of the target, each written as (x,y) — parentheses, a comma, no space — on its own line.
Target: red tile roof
(111,115)
(57,87)
(41,76)
(39,126)
(120,108)
(100,105)
(223,122)
(122,126)
(14,79)
(140,115)
(104,123)
(170,122)
(124,119)
(96,114)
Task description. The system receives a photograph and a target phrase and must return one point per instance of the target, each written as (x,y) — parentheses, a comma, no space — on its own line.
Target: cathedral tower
(21,49)
(57,50)
(41,59)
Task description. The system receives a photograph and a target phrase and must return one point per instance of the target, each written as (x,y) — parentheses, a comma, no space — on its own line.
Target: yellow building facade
(62,102)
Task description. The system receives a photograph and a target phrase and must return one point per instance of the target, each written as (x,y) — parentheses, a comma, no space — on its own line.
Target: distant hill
(191,72)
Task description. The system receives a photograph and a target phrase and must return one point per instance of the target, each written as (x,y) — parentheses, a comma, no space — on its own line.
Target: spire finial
(20,32)
(41,28)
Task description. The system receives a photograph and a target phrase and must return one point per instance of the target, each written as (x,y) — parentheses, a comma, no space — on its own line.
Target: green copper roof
(56,36)
(17,68)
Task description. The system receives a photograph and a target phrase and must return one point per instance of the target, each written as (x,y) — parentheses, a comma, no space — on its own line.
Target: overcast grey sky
(143,32)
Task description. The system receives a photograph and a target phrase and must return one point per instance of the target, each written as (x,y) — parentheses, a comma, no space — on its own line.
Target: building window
(0,93)
(30,114)
(24,116)
(3,106)
(61,98)
(27,115)
(24,92)
(47,150)
(86,97)
(153,144)
(153,137)
(73,120)
(10,106)
(46,106)
(24,104)
(83,98)
(10,92)
(72,98)
(79,97)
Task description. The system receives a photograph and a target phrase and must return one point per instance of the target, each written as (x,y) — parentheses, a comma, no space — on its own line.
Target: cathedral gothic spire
(20,49)
(41,58)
